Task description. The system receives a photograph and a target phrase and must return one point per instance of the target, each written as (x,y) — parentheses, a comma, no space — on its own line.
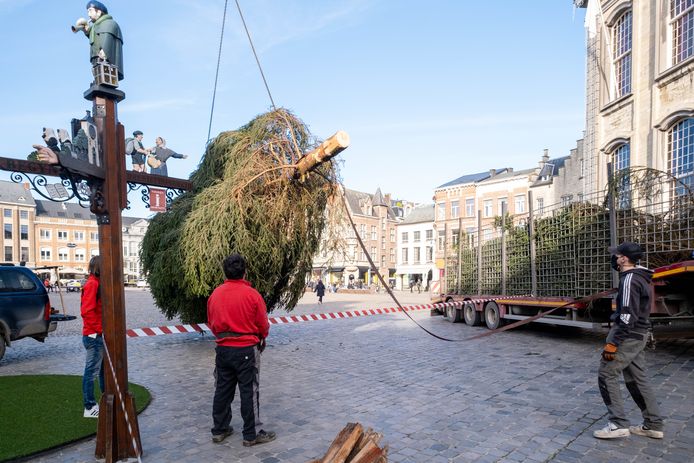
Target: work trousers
(630,361)
(236,365)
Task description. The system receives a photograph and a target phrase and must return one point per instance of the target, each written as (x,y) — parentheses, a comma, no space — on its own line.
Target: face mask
(613,263)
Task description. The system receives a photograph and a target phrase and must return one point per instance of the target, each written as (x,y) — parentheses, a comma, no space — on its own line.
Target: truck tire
(2,346)
(453,314)
(472,317)
(492,315)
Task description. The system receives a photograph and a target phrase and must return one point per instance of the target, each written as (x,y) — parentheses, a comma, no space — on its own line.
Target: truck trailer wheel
(453,314)
(492,315)
(472,317)
(2,346)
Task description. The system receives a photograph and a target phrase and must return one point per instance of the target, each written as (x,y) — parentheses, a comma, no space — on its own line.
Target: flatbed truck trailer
(517,266)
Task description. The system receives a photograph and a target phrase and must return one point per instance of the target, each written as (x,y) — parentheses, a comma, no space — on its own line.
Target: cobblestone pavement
(529,395)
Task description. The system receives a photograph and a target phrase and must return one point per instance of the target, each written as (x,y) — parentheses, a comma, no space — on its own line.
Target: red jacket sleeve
(261,320)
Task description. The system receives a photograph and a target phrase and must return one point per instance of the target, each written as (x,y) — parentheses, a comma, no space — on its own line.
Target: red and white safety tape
(200,327)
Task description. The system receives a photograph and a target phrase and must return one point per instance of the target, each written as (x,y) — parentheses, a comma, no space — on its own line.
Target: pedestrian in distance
(92,338)
(624,349)
(47,285)
(237,316)
(320,291)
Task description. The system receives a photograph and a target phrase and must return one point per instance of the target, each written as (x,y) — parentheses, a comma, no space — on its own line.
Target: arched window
(681,154)
(622,160)
(622,54)
(682,25)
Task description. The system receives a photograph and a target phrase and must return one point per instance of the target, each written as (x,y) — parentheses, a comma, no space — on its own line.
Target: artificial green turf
(41,412)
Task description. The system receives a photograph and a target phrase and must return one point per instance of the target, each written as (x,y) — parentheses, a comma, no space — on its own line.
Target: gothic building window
(681,154)
(682,23)
(622,54)
(622,160)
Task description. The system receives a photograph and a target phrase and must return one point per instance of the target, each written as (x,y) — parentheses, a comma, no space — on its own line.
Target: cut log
(343,444)
(354,445)
(325,151)
(371,453)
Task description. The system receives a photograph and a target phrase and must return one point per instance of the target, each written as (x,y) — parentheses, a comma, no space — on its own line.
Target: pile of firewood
(354,445)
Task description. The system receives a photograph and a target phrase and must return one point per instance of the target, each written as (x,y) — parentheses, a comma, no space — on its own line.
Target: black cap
(633,251)
(137,132)
(98,6)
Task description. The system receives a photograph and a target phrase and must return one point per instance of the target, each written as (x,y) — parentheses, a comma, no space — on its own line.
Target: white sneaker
(611,431)
(91,412)
(642,430)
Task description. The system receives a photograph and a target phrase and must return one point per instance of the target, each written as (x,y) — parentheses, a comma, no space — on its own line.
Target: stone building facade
(640,105)
(416,249)
(375,216)
(18,214)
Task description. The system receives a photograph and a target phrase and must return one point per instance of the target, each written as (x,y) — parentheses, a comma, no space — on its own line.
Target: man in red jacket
(237,316)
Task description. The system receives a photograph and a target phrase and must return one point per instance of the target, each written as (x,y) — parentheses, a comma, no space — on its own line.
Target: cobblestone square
(529,395)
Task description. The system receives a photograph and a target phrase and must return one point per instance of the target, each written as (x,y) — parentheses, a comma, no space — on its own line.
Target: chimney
(492,172)
(545,157)
(509,170)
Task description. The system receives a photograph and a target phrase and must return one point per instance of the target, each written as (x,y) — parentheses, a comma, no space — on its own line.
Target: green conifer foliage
(243,200)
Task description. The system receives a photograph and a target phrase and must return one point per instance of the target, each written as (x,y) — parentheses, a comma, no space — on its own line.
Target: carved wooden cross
(117,438)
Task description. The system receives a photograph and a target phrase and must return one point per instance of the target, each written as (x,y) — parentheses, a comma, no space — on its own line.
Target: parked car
(142,284)
(25,309)
(74,285)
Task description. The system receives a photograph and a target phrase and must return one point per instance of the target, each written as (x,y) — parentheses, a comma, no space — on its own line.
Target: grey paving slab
(492,399)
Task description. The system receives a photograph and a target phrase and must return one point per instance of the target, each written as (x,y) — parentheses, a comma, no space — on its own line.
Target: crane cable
(216,75)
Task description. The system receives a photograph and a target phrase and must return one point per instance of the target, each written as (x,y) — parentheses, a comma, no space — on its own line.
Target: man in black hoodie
(624,347)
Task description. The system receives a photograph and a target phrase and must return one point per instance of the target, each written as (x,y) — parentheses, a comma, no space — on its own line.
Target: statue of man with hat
(105,38)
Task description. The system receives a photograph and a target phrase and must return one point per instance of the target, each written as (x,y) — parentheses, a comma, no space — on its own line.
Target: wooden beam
(343,444)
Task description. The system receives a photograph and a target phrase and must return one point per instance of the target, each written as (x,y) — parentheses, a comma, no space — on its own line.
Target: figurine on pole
(105,38)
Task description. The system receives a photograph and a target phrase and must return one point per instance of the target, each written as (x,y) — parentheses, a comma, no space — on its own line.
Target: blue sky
(428,91)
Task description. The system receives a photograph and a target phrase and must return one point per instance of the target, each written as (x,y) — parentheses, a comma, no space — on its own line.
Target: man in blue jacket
(623,352)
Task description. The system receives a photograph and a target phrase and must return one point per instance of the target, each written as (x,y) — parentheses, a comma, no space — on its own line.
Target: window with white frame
(622,54)
(519,204)
(24,215)
(540,205)
(362,231)
(79,235)
(430,235)
(622,160)
(441,214)
(503,205)
(63,255)
(8,231)
(9,254)
(470,207)
(430,254)
(24,254)
(94,236)
(373,252)
(373,232)
(404,255)
(417,255)
(80,255)
(405,237)
(681,155)
(62,235)
(392,255)
(45,234)
(392,235)
(442,240)
(45,254)
(455,209)
(455,237)
(488,208)
(7,213)
(682,26)
(24,232)
(416,236)
(566,200)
